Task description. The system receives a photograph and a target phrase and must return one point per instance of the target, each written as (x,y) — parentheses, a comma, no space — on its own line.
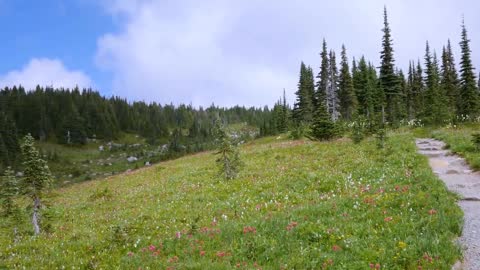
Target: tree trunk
(36,215)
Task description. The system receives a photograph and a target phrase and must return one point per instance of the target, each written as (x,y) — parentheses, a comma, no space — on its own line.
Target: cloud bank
(45,72)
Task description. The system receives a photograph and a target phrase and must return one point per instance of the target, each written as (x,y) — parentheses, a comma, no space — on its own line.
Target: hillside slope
(296,205)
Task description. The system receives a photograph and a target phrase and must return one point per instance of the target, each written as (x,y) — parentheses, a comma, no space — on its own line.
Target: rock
(452,172)
(19,174)
(101,148)
(70,176)
(147,163)
(132,159)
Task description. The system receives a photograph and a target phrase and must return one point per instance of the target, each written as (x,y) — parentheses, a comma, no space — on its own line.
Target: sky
(225,52)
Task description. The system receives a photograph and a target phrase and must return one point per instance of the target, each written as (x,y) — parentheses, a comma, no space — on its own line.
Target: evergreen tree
(388,78)
(434,109)
(469,97)
(4,158)
(332,88)
(409,94)
(229,161)
(449,79)
(346,94)
(36,180)
(72,130)
(322,83)
(303,108)
(418,91)
(322,128)
(8,190)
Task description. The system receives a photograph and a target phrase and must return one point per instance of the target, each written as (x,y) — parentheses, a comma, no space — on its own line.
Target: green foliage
(322,128)
(381,138)
(8,191)
(346,94)
(36,180)
(228,160)
(469,102)
(476,140)
(388,79)
(304,104)
(359,130)
(37,177)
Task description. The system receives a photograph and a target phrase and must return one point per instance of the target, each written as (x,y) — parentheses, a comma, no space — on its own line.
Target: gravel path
(460,179)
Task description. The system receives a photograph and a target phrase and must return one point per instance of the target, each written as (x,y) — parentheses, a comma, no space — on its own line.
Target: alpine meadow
(366,164)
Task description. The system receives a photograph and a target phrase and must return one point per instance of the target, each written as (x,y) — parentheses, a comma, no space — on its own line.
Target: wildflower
(221,254)
(432,212)
(336,248)
(388,219)
(152,248)
(178,235)
(249,229)
(130,254)
(402,245)
(174,259)
(202,252)
(291,225)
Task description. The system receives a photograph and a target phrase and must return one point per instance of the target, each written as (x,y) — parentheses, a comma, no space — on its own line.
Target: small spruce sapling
(37,178)
(228,160)
(358,130)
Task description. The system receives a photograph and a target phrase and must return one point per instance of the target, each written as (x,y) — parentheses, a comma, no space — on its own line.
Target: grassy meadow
(296,205)
(459,140)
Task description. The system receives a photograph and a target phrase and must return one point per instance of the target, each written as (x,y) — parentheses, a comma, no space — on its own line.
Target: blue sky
(199,52)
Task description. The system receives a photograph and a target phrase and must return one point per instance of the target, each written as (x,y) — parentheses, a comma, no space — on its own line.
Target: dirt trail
(459,178)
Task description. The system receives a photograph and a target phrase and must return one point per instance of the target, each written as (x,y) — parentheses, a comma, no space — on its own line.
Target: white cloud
(45,72)
(246,52)
(181,53)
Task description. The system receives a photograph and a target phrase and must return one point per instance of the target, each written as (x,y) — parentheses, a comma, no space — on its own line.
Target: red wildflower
(388,219)
(130,254)
(152,248)
(432,212)
(336,248)
(249,229)
(174,259)
(202,252)
(221,254)
(291,225)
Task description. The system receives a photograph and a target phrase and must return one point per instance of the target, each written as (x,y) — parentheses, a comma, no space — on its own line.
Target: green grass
(296,205)
(459,140)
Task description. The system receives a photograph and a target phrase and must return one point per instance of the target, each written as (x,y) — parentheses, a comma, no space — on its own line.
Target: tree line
(432,92)
(74,116)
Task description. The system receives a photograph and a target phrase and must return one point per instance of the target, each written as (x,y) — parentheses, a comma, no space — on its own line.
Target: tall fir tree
(388,78)
(303,107)
(409,95)
(469,97)
(37,179)
(346,93)
(449,79)
(418,89)
(322,82)
(333,105)
(434,107)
